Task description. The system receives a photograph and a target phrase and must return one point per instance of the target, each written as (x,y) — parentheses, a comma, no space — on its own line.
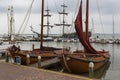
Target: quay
(10,71)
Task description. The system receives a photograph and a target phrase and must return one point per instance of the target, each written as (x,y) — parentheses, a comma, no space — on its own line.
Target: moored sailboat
(78,61)
(45,52)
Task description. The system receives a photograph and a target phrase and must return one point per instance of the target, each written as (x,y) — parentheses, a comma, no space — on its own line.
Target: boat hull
(32,59)
(78,64)
(46,53)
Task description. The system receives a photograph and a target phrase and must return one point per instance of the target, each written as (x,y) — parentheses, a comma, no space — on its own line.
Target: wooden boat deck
(18,72)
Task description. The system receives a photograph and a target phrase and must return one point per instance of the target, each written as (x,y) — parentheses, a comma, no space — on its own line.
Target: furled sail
(81,35)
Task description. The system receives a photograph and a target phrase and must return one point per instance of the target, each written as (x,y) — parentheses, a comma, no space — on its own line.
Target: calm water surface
(111,71)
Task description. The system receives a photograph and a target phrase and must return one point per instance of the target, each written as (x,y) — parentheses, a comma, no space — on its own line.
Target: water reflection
(102,71)
(98,74)
(112,56)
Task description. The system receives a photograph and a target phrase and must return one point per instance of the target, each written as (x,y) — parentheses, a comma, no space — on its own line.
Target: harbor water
(111,70)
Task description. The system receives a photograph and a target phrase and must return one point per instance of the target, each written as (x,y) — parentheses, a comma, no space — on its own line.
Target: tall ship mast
(48,15)
(63,24)
(10,23)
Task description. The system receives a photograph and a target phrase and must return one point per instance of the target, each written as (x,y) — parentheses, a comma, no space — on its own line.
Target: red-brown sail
(81,36)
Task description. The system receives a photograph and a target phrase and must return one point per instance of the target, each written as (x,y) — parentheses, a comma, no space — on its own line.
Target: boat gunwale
(89,60)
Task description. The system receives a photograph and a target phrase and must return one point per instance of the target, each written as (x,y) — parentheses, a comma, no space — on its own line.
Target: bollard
(33,46)
(39,61)
(91,69)
(0,55)
(27,59)
(7,57)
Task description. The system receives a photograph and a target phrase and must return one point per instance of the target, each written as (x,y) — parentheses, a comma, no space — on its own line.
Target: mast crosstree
(48,23)
(63,22)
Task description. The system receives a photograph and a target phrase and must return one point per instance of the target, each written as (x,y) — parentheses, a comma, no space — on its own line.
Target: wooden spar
(42,21)
(87,17)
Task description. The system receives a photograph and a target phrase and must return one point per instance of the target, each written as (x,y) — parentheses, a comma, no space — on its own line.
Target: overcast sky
(100,18)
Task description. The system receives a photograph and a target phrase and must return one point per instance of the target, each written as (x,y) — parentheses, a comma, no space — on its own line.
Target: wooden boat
(44,52)
(79,61)
(45,55)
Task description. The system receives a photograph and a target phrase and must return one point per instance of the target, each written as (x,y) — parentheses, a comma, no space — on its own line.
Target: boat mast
(10,24)
(64,13)
(48,23)
(63,22)
(42,21)
(87,17)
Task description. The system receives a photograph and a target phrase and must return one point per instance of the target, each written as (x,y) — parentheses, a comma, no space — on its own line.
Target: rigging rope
(57,11)
(73,18)
(100,17)
(26,18)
